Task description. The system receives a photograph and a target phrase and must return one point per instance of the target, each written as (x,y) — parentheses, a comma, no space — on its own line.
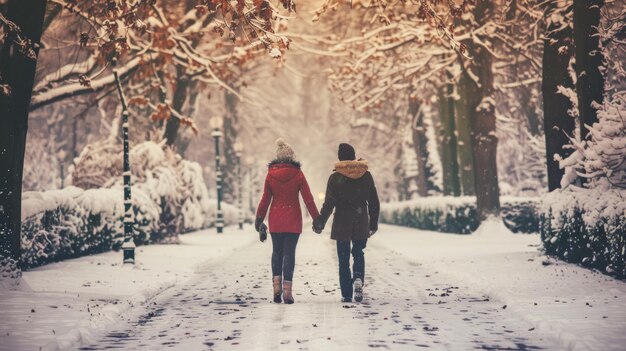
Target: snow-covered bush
(195,197)
(520,214)
(73,222)
(97,165)
(586,226)
(169,197)
(601,160)
(175,184)
(458,214)
(444,214)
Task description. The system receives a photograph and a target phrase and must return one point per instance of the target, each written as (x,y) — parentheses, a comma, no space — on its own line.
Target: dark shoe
(287,296)
(278,289)
(358,290)
(346,299)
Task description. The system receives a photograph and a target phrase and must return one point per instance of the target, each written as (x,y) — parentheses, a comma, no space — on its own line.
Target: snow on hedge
(587,226)
(442,203)
(169,197)
(597,205)
(72,222)
(458,214)
(34,202)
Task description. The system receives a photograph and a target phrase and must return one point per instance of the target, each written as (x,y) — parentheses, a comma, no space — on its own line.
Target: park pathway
(227,307)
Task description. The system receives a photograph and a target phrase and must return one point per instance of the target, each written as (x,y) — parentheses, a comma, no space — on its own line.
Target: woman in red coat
(283,184)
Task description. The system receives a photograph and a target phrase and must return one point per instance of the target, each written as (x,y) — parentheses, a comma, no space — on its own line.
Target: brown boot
(287,292)
(278,289)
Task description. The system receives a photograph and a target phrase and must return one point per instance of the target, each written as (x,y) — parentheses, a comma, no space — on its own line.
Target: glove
(257,223)
(317,226)
(262,232)
(372,232)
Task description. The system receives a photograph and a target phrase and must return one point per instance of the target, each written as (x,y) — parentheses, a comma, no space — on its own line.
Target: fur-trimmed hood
(352,169)
(278,161)
(283,170)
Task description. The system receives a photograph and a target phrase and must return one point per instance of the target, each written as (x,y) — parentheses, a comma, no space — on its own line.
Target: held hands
(317,227)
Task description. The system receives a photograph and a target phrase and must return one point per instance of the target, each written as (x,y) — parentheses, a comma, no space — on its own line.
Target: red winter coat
(283,183)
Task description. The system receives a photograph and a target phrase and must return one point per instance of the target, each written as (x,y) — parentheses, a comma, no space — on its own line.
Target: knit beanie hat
(346,152)
(284,150)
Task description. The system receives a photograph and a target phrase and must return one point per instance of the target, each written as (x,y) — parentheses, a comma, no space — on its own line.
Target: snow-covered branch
(47,97)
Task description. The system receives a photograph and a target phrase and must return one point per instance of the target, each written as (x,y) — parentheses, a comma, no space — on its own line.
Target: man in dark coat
(351,193)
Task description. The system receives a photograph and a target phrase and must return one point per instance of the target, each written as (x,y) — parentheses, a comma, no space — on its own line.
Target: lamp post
(128,247)
(216,124)
(238,147)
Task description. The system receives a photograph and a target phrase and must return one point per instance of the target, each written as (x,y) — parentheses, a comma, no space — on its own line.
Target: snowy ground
(70,302)
(492,290)
(581,309)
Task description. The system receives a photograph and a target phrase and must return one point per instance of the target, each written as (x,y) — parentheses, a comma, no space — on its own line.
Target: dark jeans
(346,278)
(284,254)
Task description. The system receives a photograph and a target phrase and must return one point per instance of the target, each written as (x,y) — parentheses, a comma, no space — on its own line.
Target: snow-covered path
(406,307)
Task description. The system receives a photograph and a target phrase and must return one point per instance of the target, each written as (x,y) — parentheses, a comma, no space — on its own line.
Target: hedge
(72,222)
(458,214)
(587,227)
(169,197)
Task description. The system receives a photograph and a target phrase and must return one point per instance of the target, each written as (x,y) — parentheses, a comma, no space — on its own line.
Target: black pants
(346,278)
(284,254)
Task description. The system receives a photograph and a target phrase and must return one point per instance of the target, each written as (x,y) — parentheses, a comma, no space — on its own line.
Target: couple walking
(350,192)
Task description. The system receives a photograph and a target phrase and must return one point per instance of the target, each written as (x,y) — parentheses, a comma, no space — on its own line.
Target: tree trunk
(557,122)
(482,117)
(449,157)
(231,121)
(524,94)
(442,147)
(18,71)
(178,100)
(403,185)
(589,59)
(183,143)
(418,131)
(464,139)
(180,91)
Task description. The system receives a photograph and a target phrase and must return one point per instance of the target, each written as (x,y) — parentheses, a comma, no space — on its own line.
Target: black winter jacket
(351,193)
